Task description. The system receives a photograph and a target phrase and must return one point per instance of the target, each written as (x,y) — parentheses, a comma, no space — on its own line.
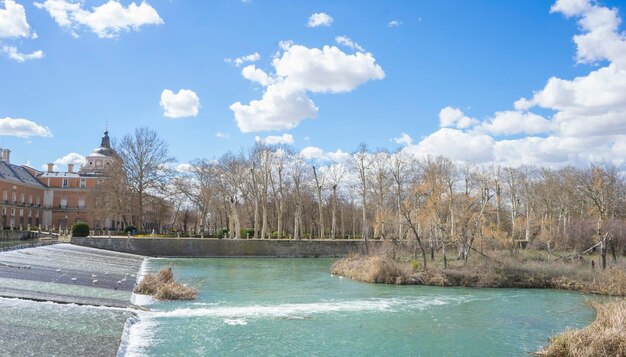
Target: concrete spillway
(42,293)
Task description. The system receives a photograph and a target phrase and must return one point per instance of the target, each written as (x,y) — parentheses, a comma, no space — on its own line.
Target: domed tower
(100,158)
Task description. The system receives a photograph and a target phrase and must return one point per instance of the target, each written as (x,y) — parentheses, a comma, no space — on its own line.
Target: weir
(64,299)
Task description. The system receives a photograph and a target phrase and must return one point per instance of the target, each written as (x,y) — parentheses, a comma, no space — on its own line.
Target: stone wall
(197,247)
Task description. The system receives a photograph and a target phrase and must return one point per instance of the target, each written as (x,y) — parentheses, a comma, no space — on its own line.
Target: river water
(289,307)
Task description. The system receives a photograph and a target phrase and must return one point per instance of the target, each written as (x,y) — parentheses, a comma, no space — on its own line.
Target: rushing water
(284,307)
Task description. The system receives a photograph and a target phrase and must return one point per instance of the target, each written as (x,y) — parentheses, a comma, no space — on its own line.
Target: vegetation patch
(80,230)
(163,286)
(605,337)
(503,269)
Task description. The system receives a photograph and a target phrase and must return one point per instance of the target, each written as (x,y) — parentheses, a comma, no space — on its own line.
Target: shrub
(130,229)
(80,229)
(163,286)
(247,233)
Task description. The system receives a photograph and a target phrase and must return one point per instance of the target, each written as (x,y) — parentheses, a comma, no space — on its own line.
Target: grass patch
(523,269)
(605,337)
(163,286)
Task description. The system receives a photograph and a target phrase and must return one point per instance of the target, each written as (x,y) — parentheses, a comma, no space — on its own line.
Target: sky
(505,82)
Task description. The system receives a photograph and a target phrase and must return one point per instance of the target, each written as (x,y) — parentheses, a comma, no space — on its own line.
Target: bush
(130,229)
(247,233)
(163,286)
(80,229)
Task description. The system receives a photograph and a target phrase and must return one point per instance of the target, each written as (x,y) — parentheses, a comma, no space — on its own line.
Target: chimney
(70,168)
(6,155)
(50,167)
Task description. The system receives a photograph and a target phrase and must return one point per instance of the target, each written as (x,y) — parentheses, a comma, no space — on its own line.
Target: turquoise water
(294,307)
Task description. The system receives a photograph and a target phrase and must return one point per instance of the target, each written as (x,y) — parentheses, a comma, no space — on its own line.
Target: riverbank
(604,337)
(65,300)
(525,269)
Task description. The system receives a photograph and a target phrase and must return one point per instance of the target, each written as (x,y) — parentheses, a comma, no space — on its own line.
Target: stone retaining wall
(210,247)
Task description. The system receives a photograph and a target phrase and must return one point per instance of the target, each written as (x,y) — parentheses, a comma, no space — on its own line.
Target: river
(288,307)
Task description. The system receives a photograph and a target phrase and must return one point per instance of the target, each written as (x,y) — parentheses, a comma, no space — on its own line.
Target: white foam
(241,322)
(138,337)
(288,310)
(139,299)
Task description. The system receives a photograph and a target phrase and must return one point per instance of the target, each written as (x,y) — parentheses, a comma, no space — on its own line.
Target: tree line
(273,191)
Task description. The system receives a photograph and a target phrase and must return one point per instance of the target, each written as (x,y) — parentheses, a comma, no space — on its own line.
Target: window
(63,202)
(64,182)
(83,183)
(37,200)
(81,203)
(22,198)
(12,211)
(14,197)
(5,196)
(30,213)
(90,163)
(37,214)
(21,212)
(30,200)
(4,211)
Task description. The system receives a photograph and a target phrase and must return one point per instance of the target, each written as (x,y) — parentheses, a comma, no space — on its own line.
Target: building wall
(20,204)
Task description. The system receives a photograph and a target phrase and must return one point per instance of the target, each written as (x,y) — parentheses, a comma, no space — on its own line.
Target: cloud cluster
(319,19)
(13,25)
(22,128)
(71,158)
(275,140)
(299,70)
(347,41)
(13,53)
(183,104)
(253,57)
(315,153)
(107,20)
(589,112)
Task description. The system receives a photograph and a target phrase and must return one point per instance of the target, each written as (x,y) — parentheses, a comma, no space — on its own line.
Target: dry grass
(371,269)
(605,337)
(162,286)
(525,269)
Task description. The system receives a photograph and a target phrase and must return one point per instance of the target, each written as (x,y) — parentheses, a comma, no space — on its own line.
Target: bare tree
(145,158)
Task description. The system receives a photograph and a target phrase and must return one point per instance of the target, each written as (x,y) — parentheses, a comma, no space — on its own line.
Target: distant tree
(145,158)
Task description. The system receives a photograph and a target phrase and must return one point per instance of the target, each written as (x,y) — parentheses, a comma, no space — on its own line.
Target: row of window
(63,203)
(5,198)
(83,183)
(21,211)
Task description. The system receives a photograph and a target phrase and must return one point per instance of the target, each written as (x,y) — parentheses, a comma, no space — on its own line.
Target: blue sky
(475,58)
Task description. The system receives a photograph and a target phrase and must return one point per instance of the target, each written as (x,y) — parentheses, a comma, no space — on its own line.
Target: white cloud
(454,117)
(183,167)
(13,53)
(297,71)
(181,105)
(275,140)
(253,57)
(254,74)
(347,41)
(13,22)
(221,135)
(71,158)
(394,23)
(516,122)
(315,153)
(589,120)
(404,139)
(106,21)
(319,19)
(455,145)
(22,128)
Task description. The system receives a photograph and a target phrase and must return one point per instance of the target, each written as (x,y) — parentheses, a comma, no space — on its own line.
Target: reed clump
(163,286)
(605,337)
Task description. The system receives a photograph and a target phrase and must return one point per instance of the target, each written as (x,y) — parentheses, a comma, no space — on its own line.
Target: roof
(18,174)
